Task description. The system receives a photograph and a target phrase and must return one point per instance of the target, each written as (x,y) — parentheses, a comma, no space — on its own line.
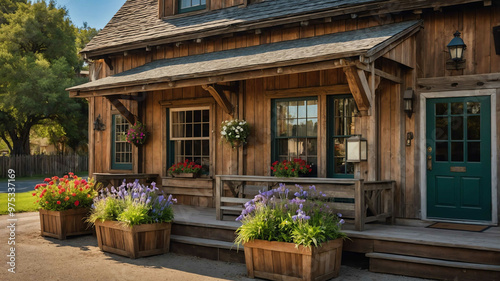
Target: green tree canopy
(38,60)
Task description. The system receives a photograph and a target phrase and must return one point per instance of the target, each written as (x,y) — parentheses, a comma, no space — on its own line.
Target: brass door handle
(429,162)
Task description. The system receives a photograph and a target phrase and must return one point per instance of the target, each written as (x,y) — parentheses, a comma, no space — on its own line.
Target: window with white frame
(121,157)
(190,136)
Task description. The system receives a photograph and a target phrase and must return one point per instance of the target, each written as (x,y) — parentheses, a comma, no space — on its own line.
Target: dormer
(169,8)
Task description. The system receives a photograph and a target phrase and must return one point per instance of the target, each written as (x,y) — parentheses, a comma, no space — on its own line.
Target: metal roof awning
(294,56)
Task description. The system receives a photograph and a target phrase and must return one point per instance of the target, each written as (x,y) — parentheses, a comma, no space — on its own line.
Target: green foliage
(38,61)
(8,7)
(68,192)
(134,214)
(132,204)
(304,220)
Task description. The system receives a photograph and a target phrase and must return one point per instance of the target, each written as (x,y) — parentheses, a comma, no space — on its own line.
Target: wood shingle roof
(137,20)
(366,42)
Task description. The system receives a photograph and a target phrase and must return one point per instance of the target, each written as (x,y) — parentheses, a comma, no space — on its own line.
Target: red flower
(66,198)
(77,183)
(51,182)
(73,194)
(46,180)
(286,167)
(58,202)
(77,203)
(75,177)
(36,186)
(293,170)
(70,173)
(308,166)
(310,170)
(81,189)
(46,202)
(43,185)
(60,191)
(34,193)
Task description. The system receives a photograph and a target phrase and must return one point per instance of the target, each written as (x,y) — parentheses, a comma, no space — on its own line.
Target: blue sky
(96,13)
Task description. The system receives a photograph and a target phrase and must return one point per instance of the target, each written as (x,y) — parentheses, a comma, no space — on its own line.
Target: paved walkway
(25,185)
(79,258)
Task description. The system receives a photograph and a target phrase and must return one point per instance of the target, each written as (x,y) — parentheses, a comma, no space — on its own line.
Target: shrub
(68,192)
(133,204)
(304,220)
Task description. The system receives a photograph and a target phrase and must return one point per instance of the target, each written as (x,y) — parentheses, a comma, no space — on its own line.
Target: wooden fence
(50,165)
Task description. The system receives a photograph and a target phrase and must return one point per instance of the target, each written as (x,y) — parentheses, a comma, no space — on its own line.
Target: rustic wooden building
(306,75)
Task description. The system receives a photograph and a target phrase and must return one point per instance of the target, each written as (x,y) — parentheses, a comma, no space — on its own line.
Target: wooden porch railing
(359,202)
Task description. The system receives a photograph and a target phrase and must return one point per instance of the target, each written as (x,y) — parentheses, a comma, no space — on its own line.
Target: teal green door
(458,158)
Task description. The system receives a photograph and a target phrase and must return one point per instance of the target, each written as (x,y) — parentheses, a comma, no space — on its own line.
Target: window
(191,5)
(295,130)
(341,124)
(190,136)
(121,153)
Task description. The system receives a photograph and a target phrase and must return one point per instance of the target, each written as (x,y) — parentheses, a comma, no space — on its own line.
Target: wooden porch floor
(486,240)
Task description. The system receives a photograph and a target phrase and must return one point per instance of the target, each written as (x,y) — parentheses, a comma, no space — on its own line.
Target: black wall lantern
(408,98)
(456,48)
(98,125)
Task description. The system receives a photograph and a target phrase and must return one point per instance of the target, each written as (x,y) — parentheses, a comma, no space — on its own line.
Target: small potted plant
(186,169)
(137,134)
(235,132)
(133,220)
(64,204)
(295,168)
(288,232)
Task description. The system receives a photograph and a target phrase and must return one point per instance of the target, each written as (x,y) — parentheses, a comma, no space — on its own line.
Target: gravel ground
(79,258)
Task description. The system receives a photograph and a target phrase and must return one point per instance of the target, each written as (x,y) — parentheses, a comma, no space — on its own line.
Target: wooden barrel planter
(133,242)
(283,261)
(61,224)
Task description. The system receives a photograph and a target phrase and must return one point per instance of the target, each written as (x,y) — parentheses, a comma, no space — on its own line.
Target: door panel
(458,158)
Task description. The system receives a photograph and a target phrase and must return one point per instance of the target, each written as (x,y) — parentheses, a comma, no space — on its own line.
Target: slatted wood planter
(283,261)
(133,242)
(61,224)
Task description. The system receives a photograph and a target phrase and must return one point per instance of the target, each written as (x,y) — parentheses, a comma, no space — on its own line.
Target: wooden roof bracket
(217,92)
(360,89)
(107,60)
(122,109)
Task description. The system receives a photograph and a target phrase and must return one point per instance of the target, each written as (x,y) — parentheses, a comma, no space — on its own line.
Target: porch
(406,248)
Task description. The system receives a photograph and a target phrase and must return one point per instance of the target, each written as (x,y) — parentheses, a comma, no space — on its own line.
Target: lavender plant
(305,220)
(132,204)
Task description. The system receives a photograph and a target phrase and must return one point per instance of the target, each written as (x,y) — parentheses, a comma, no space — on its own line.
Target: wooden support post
(359,87)
(220,98)
(218,194)
(122,109)
(359,205)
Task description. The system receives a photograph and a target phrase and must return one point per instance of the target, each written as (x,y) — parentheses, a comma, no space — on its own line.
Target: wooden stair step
(207,248)
(206,242)
(232,208)
(431,268)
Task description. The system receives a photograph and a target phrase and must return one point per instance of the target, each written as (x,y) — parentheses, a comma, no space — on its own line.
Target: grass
(40,177)
(24,203)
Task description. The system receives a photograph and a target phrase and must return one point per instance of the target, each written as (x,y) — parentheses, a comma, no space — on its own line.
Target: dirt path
(79,258)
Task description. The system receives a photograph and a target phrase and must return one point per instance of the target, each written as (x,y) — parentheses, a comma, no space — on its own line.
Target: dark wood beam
(221,99)
(359,87)
(122,109)
(108,61)
(463,82)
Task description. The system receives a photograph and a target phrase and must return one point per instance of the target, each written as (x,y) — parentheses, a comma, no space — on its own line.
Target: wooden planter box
(185,175)
(133,242)
(283,261)
(60,224)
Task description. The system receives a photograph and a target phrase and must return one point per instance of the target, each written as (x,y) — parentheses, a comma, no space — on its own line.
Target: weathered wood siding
(424,55)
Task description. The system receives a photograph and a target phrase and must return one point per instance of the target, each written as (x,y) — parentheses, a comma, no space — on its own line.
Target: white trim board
(494,150)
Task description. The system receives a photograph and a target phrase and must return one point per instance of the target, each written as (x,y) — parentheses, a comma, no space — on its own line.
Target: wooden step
(432,268)
(456,253)
(207,248)
(203,231)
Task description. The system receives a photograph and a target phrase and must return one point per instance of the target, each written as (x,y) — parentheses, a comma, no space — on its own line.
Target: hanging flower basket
(235,132)
(137,134)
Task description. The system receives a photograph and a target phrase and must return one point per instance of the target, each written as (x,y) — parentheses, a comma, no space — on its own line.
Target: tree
(37,63)
(8,7)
